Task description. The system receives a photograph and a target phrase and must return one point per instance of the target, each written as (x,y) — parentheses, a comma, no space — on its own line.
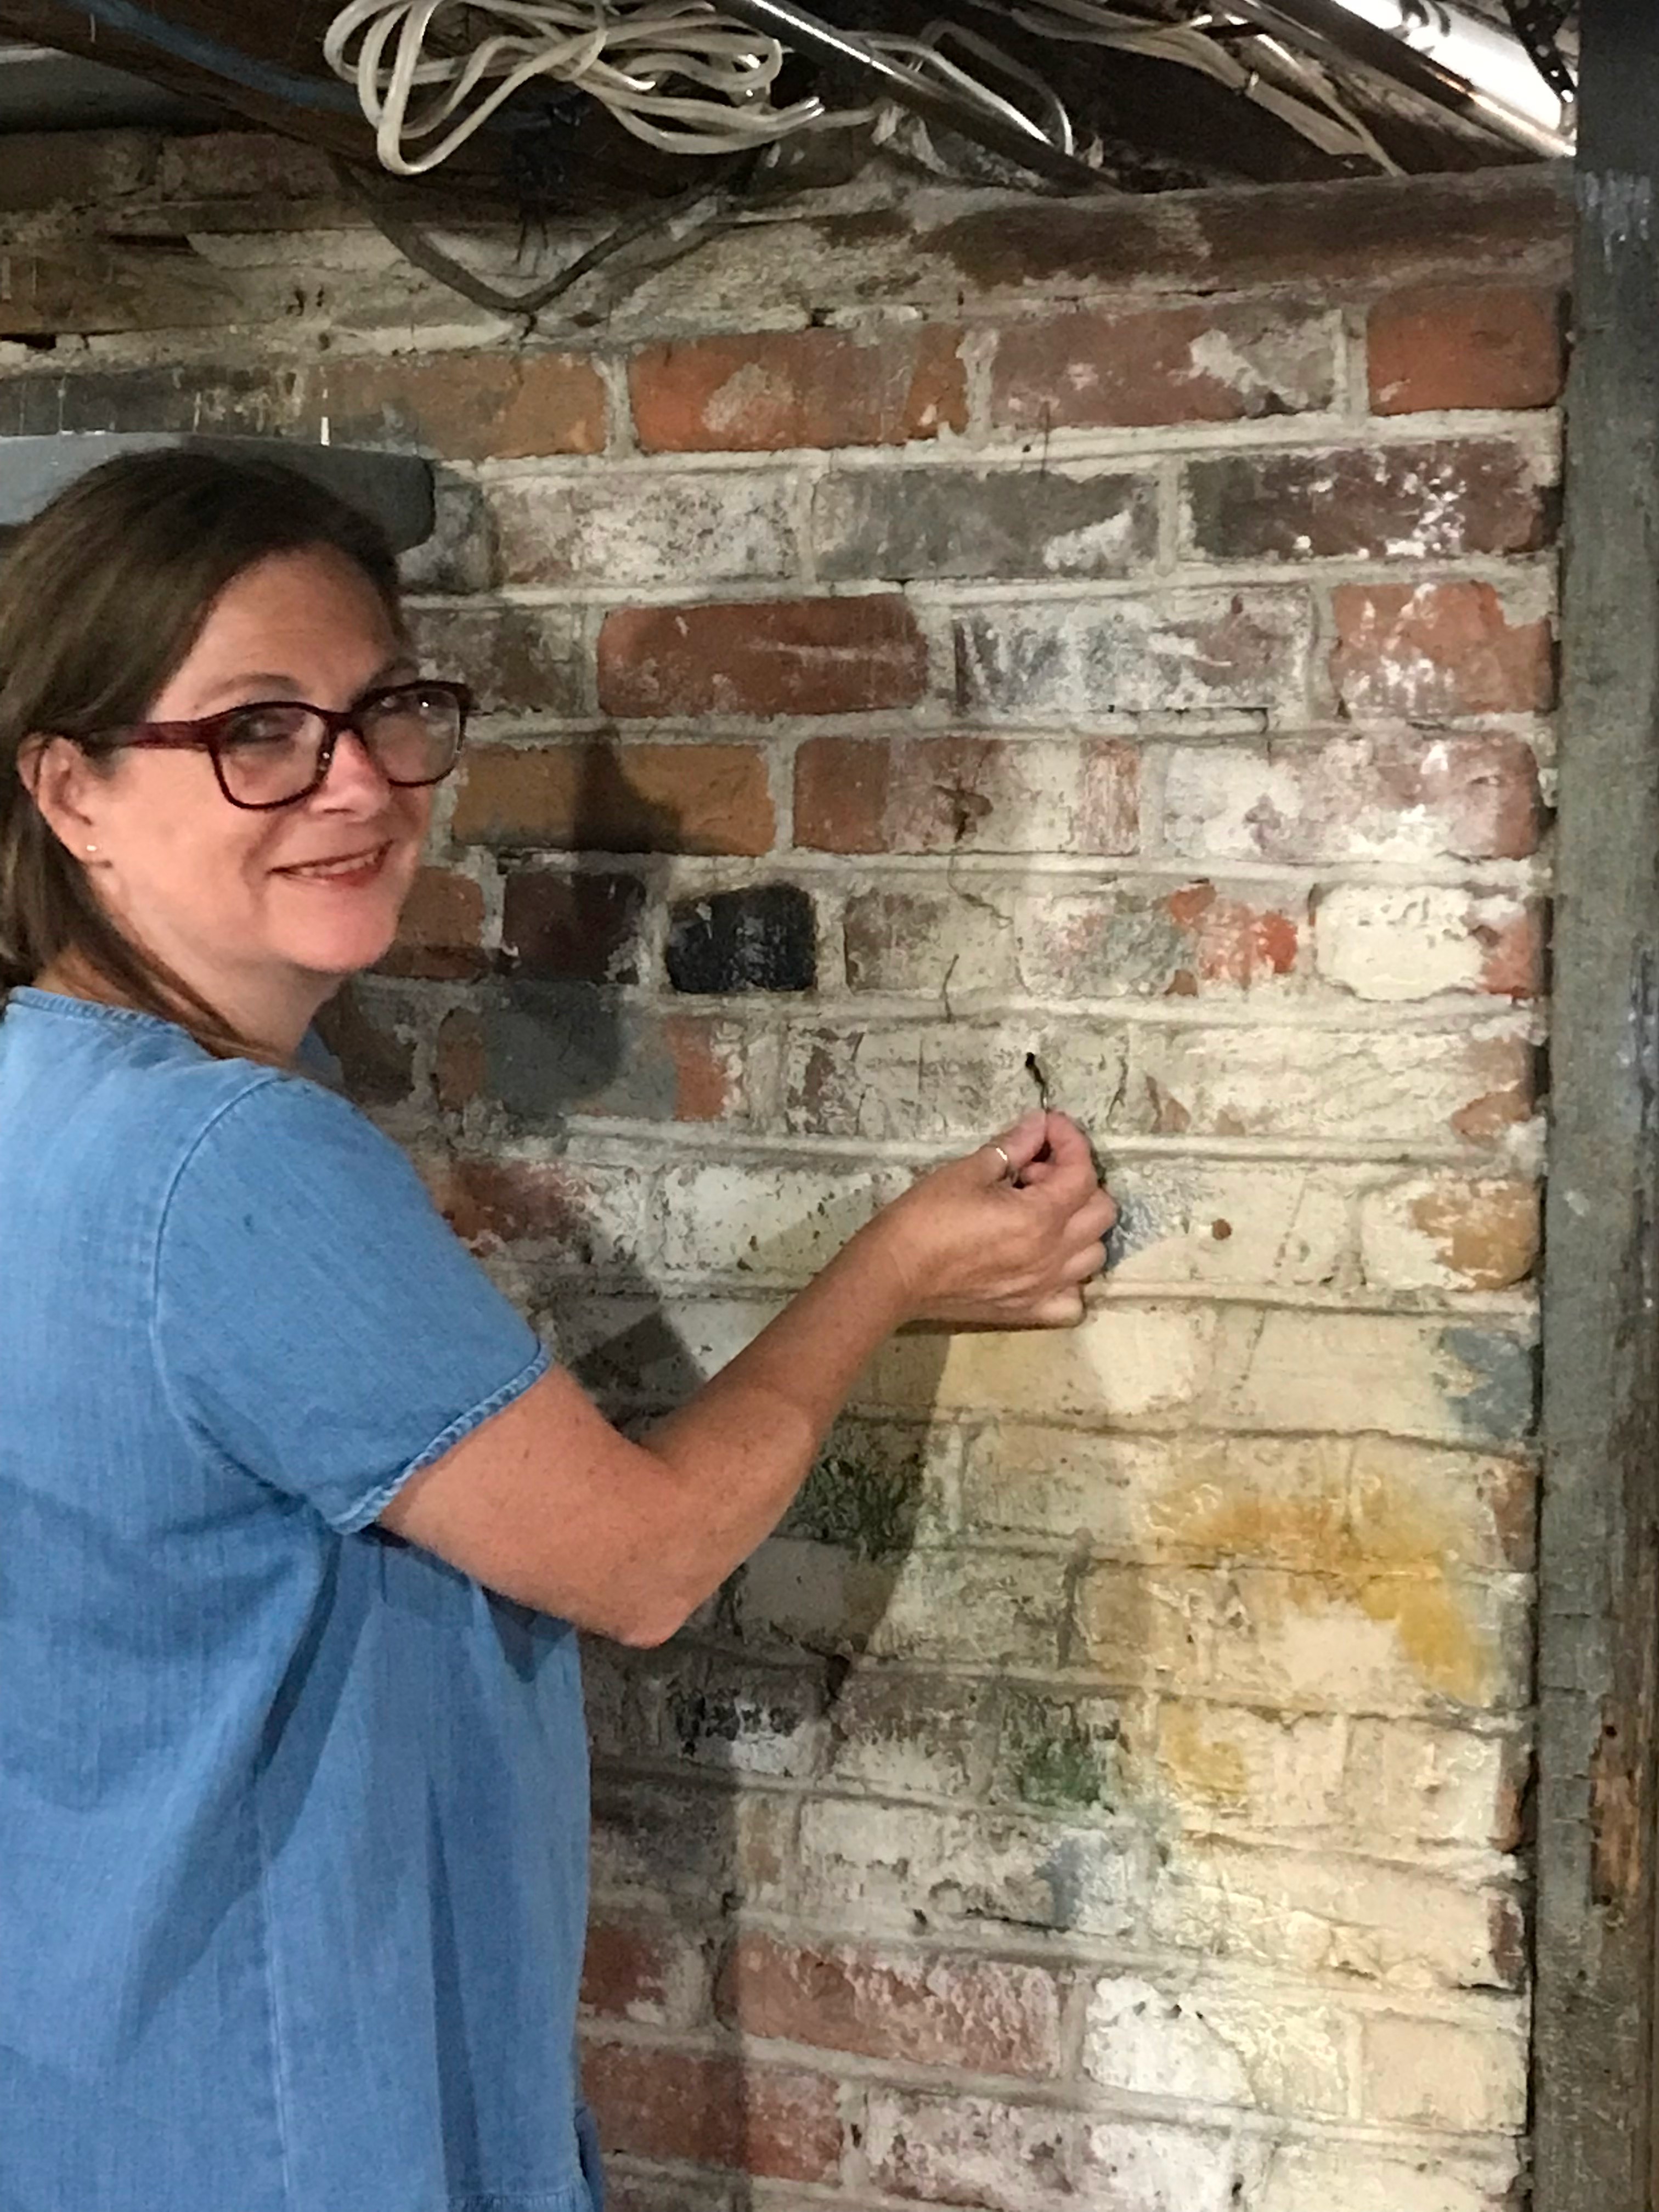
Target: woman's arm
(548,1503)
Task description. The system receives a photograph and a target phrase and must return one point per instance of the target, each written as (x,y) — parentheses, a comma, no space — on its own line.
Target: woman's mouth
(349,870)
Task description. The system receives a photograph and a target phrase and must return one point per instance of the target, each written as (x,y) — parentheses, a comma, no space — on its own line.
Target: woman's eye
(263,725)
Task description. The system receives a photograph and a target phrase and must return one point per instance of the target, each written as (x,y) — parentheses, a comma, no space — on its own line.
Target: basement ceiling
(1141,123)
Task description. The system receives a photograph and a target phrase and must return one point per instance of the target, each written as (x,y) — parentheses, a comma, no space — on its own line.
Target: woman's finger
(1061,1310)
(1011,1155)
(1080,1265)
(1095,1216)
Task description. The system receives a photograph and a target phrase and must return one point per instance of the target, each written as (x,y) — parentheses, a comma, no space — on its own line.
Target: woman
(296,1514)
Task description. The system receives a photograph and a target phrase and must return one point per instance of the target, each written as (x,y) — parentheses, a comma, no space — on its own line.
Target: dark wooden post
(1599,1622)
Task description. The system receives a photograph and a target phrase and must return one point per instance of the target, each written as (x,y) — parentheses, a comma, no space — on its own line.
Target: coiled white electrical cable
(426,94)
(622,53)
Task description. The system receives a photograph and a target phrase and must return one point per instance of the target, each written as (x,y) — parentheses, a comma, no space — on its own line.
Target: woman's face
(264,912)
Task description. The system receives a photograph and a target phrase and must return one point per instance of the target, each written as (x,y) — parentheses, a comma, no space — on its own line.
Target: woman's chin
(343,952)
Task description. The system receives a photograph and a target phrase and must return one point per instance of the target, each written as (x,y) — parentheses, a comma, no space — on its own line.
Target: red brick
(702,1083)
(641,1973)
(584,927)
(1139,938)
(775,657)
(948,793)
(616,797)
(1477,495)
(1515,951)
(984,2015)
(489,1203)
(1110,808)
(1232,942)
(653,2101)
(1095,369)
(815,387)
(459,1075)
(1434,649)
(500,405)
(1494,345)
(441,932)
(1507,1066)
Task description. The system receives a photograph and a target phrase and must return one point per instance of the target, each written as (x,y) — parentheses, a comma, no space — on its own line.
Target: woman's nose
(355,776)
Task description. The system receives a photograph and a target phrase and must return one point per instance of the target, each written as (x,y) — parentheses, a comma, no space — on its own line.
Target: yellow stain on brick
(1199,1765)
(1392,1572)
(1484,1234)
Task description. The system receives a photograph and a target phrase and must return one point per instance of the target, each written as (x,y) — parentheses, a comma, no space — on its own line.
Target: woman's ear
(59,777)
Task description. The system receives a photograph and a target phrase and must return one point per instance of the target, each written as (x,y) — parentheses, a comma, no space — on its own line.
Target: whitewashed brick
(1186,652)
(1450,1233)
(878,1865)
(1215,1222)
(1399,1374)
(969,2150)
(1438,2073)
(629,527)
(1393,1086)
(983,1608)
(1226,1764)
(1321,2178)
(1307,1913)
(934,1080)
(747,1217)
(1136,2166)
(1189,1496)
(947,944)
(1123,1362)
(1214,2046)
(1393,944)
(1421,1784)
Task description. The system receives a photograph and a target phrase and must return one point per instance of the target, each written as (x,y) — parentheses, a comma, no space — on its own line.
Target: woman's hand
(985,1245)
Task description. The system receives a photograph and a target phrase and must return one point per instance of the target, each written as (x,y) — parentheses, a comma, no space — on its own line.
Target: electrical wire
(426,92)
(412,88)
(417,245)
(1320,117)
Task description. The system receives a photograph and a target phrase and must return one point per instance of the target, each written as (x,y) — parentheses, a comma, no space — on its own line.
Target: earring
(92,848)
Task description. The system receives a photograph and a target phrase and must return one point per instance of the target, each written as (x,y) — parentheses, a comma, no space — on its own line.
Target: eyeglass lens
(272,754)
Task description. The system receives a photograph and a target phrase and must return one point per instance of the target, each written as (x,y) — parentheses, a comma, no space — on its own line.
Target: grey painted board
(395,489)
(1598,1675)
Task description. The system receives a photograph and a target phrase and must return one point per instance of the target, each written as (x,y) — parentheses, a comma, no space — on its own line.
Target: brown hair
(102,595)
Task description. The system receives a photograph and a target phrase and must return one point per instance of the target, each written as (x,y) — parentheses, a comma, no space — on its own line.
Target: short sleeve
(315,1319)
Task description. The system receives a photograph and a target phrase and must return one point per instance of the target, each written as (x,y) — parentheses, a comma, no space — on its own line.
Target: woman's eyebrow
(274,683)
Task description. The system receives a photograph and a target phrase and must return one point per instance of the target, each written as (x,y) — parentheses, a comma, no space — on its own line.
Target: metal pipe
(1336,33)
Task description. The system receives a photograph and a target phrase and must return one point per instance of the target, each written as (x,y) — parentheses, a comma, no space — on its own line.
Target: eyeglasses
(275,752)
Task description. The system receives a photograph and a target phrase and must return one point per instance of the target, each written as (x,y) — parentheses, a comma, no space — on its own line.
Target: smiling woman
(118,849)
(299,1521)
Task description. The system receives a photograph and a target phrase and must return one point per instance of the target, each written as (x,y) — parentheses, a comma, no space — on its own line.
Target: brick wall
(911,637)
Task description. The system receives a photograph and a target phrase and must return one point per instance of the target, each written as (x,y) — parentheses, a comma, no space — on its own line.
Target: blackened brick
(764,939)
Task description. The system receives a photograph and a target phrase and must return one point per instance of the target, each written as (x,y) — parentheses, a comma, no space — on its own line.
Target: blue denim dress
(293,1816)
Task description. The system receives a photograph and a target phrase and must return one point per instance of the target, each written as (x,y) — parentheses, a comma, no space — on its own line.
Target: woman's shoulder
(98,1083)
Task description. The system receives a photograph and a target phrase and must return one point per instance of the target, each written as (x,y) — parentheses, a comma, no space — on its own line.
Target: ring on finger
(1007,1164)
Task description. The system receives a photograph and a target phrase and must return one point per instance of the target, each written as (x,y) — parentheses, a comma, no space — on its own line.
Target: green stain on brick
(1063,1770)
(1064,1755)
(868,1510)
